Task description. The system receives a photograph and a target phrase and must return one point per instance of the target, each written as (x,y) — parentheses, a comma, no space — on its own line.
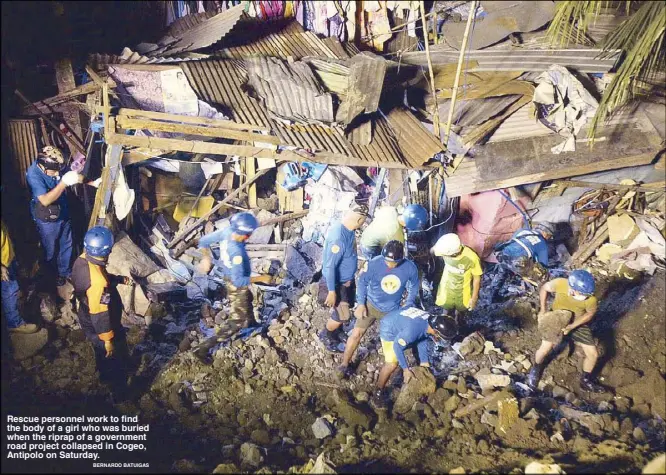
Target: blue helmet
(582,281)
(244,223)
(415,217)
(98,242)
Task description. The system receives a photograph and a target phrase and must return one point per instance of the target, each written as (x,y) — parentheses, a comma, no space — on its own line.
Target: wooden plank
(98,80)
(282,219)
(105,189)
(454,187)
(178,238)
(187,119)
(149,124)
(645,187)
(251,171)
(64,74)
(191,146)
(82,90)
(586,251)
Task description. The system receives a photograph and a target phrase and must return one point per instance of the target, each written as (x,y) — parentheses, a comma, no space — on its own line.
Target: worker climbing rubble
(339,268)
(380,289)
(235,265)
(459,287)
(526,253)
(99,310)
(387,225)
(50,210)
(575,295)
(404,328)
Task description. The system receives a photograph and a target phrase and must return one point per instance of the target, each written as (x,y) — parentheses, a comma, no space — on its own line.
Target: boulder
(321,428)
(25,345)
(551,324)
(657,465)
(352,414)
(452,403)
(487,380)
(472,344)
(537,468)
(507,414)
(226,468)
(126,257)
(251,455)
(593,422)
(422,384)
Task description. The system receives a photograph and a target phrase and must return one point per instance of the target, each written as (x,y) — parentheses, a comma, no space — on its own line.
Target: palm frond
(571,21)
(640,38)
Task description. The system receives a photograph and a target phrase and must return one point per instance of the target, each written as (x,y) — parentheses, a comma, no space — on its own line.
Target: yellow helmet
(53,153)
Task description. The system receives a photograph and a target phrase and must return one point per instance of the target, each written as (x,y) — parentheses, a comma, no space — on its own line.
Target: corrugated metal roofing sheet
(399,141)
(283,45)
(22,144)
(518,59)
(100,62)
(289,90)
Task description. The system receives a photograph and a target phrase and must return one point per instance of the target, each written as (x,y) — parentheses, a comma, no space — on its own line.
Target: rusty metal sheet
(366,80)
(22,145)
(399,139)
(289,90)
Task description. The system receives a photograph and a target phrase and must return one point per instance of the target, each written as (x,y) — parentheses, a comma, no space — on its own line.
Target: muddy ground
(253,407)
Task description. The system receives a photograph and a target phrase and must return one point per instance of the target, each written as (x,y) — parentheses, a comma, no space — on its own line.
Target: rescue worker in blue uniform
(50,211)
(407,327)
(99,308)
(339,267)
(387,225)
(380,289)
(526,253)
(235,265)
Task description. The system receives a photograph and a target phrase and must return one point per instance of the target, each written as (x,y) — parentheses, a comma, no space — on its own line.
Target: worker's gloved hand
(205,265)
(361,311)
(331,298)
(5,274)
(407,375)
(108,346)
(70,178)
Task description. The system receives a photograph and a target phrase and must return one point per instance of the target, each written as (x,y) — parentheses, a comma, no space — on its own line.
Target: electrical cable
(526,219)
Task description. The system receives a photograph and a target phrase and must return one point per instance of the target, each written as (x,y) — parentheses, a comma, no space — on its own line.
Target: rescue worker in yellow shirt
(99,308)
(387,225)
(458,290)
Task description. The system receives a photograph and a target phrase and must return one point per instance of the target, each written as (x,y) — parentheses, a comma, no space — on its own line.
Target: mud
(254,406)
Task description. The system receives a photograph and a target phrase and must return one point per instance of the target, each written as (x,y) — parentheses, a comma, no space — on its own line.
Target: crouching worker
(526,253)
(100,308)
(574,294)
(404,328)
(458,290)
(380,289)
(338,270)
(387,225)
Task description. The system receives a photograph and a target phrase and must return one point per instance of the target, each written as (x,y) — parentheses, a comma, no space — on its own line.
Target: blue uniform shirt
(405,327)
(40,183)
(340,258)
(526,242)
(236,263)
(385,287)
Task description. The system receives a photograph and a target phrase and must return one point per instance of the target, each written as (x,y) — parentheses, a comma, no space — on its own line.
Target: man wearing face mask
(49,209)
(574,294)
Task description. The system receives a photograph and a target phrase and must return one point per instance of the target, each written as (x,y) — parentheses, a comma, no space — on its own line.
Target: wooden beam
(586,251)
(105,189)
(149,124)
(98,80)
(435,114)
(251,171)
(82,90)
(283,218)
(645,187)
(187,119)
(64,74)
(179,237)
(191,146)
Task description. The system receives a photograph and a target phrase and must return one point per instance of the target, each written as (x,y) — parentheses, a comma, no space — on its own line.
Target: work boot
(25,328)
(534,376)
(343,372)
(330,343)
(380,399)
(587,383)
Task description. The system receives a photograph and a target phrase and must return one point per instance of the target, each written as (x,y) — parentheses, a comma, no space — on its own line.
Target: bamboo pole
(454,94)
(435,114)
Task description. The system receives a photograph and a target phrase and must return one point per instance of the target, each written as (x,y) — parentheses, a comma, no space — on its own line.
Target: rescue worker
(50,211)
(574,294)
(407,327)
(387,225)
(380,289)
(10,287)
(458,289)
(338,270)
(235,265)
(99,309)
(526,253)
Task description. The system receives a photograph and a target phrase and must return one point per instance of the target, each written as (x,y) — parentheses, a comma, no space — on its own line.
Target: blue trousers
(10,291)
(56,239)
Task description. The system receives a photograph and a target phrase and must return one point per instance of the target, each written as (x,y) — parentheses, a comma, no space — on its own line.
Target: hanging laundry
(378,28)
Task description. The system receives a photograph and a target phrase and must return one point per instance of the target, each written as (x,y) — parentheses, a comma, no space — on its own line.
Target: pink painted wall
(486,219)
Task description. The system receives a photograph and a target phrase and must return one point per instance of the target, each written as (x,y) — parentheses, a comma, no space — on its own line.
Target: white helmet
(447,245)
